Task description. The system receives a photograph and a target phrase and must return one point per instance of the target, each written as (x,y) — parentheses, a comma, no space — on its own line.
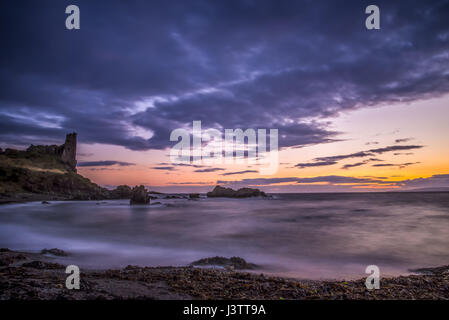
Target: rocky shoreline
(35,276)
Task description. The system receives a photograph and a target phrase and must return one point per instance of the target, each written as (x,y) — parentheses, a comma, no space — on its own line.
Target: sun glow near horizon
(417,123)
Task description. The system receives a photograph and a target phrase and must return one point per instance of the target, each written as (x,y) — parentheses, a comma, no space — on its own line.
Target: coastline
(31,276)
(30,197)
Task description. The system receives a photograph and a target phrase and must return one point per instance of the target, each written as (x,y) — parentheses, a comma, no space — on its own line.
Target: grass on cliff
(26,172)
(42,162)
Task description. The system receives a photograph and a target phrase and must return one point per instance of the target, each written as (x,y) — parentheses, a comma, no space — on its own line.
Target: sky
(356,109)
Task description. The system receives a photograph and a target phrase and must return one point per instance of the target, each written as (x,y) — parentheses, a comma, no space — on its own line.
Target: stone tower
(69,151)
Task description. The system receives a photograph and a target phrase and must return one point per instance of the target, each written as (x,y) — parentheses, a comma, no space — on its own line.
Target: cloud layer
(137,70)
(105,163)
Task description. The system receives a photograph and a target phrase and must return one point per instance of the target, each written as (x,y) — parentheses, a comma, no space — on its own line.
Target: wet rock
(173,197)
(45,202)
(42,265)
(6,260)
(121,192)
(139,195)
(231,193)
(436,270)
(55,252)
(194,196)
(233,263)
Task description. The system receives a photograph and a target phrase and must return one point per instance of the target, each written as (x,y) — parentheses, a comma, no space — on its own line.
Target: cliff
(65,154)
(46,173)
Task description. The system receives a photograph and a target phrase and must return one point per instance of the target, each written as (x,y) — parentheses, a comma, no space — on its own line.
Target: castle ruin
(68,155)
(66,152)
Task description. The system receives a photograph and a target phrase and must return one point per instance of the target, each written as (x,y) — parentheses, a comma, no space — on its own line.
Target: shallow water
(314,236)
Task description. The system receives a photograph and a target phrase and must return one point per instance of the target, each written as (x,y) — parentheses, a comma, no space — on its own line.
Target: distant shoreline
(32,197)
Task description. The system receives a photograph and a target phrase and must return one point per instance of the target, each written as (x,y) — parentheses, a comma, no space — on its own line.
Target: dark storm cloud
(315,164)
(239,172)
(358,164)
(403,140)
(104,163)
(191,182)
(437,182)
(367,153)
(165,168)
(181,165)
(323,179)
(159,65)
(399,165)
(352,165)
(403,153)
(209,170)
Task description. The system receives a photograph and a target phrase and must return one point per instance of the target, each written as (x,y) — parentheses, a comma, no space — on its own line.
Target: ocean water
(314,236)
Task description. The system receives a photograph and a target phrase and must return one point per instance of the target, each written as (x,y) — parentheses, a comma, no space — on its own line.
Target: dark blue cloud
(333,179)
(238,172)
(104,163)
(164,168)
(315,164)
(209,170)
(159,65)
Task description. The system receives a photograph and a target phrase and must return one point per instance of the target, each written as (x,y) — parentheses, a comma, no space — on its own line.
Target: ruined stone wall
(65,152)
(69,151)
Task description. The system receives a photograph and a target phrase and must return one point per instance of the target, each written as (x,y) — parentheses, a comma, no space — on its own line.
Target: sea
(303,236)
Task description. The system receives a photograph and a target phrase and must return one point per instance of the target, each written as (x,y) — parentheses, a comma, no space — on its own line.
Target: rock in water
(55,252)
(231,193)
(139,195)
(121,192)
(234,262)
(194,196)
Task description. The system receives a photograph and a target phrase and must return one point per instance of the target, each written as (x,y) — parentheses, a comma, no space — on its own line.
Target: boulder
(121,192)
(55,252)
(232,263)
(231,193)
(194,195)
(173,197)
(249,192)
(139,195)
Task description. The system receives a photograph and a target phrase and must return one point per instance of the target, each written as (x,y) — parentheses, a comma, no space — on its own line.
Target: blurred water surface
(312,236)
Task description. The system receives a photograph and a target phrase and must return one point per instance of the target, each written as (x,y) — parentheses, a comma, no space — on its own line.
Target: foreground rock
(29,276)
(434,271)
(121,192)
(139,195)
(231,193)
(232,263)
(55,252)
